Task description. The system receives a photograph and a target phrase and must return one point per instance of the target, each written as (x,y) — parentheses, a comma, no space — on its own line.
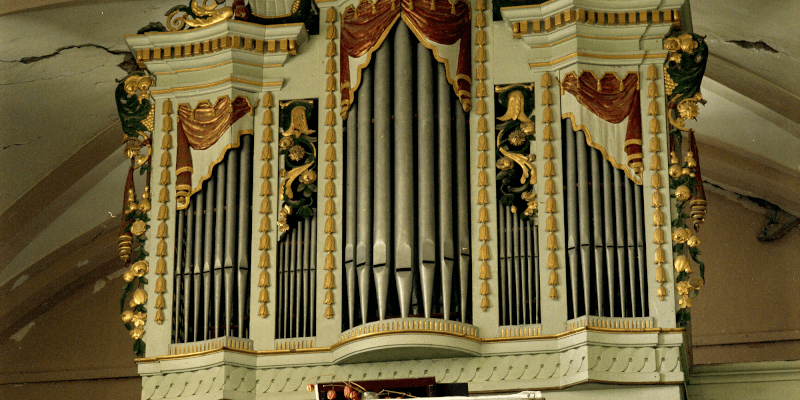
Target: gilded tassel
(483,214)
(161,266)
(481,92)
(330,227)
(267,100)
(331,34)
(662,292)
(167,125)
(330,171)
(480,6)
(655,126)
(266,171)
(552,261)
(263,279)
(546,80)
(551,242)
(331,15)
(483,160)
(266,135)
(484,303)
(655,163)
(652,90)
(433,5)
(549,186)
(159,316)
(330,207)
(166,159)
(266,190)
(329,262)
(267,120)
(266,206)
(482,126)
(658,236)
(163,195)
(483,196)
(330,136)
(481,56)
(266,153)
(331,51)
(264,242)
(480,21)
(484,271)
(166,107)
(657,200)
(161,248)
(330,244)
(263,297)
(161,284)
(658,218)
(262,311)
(550,205)
(656,181)
(480,37)
(166,143)
(329,312)
(483,143)
(483,178)
(549,169)
(330,86)
(331,67)
(483,235)
(655,145)
(484,254)
(553,280)
(480,109)
(163,213)
(660,256)
(484,288)
(553,293)
(653,109)
(548,133)
(330,154)
(164,177)
(330,119)
(331,100)
(652,72)
(263,262)
(162,230)
(547,115)
(264,226)
(550,225)
(547,98)
(549,153)
(660,274)
(480,72)
(329,284)
(160,303)
(328,297)
(330,189)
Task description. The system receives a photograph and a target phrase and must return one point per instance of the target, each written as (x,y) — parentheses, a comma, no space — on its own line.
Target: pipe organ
(363,189)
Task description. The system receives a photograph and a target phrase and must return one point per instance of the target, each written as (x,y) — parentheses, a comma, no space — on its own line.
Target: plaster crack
(20,144)
(778,223)
(33,59)
(759,45)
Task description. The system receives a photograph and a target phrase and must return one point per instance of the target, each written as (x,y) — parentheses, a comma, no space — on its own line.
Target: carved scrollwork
(298,186)
(516,173)
(197,14)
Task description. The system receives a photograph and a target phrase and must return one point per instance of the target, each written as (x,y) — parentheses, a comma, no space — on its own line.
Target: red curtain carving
(613,100)
(364,27)
(199,129)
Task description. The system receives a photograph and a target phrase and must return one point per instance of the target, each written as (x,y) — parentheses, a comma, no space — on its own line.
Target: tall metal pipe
(426,146)
(365,190)
(313,285)
(516,245)
(525,278)
(180,249)
(583,219)
(303,309)
(197,272)
(383,184)
(572,214)
(597,233)
(619,214)
(503,264)
(187,271)
(351,207)
(232,170)
(294,260)
(208,247)
(630,243)
(219,242)
(445,178)
(462,205)
(245,218)
(284,274)
(609,233)
(509,284)
(638,201)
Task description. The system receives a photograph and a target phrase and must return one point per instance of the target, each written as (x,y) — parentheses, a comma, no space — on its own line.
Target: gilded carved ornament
(298,186)
(516,173)
(197,14)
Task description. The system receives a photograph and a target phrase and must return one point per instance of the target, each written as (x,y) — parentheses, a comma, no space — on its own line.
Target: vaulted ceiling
(61,171)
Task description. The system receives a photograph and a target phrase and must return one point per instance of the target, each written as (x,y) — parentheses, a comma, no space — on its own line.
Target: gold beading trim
(549,186)
(483,146)
(266,206)
(330,170)
(588,17)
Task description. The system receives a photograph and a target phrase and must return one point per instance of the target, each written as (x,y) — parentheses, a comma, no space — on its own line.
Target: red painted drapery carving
(613,100)
(199,129)
(366,26)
